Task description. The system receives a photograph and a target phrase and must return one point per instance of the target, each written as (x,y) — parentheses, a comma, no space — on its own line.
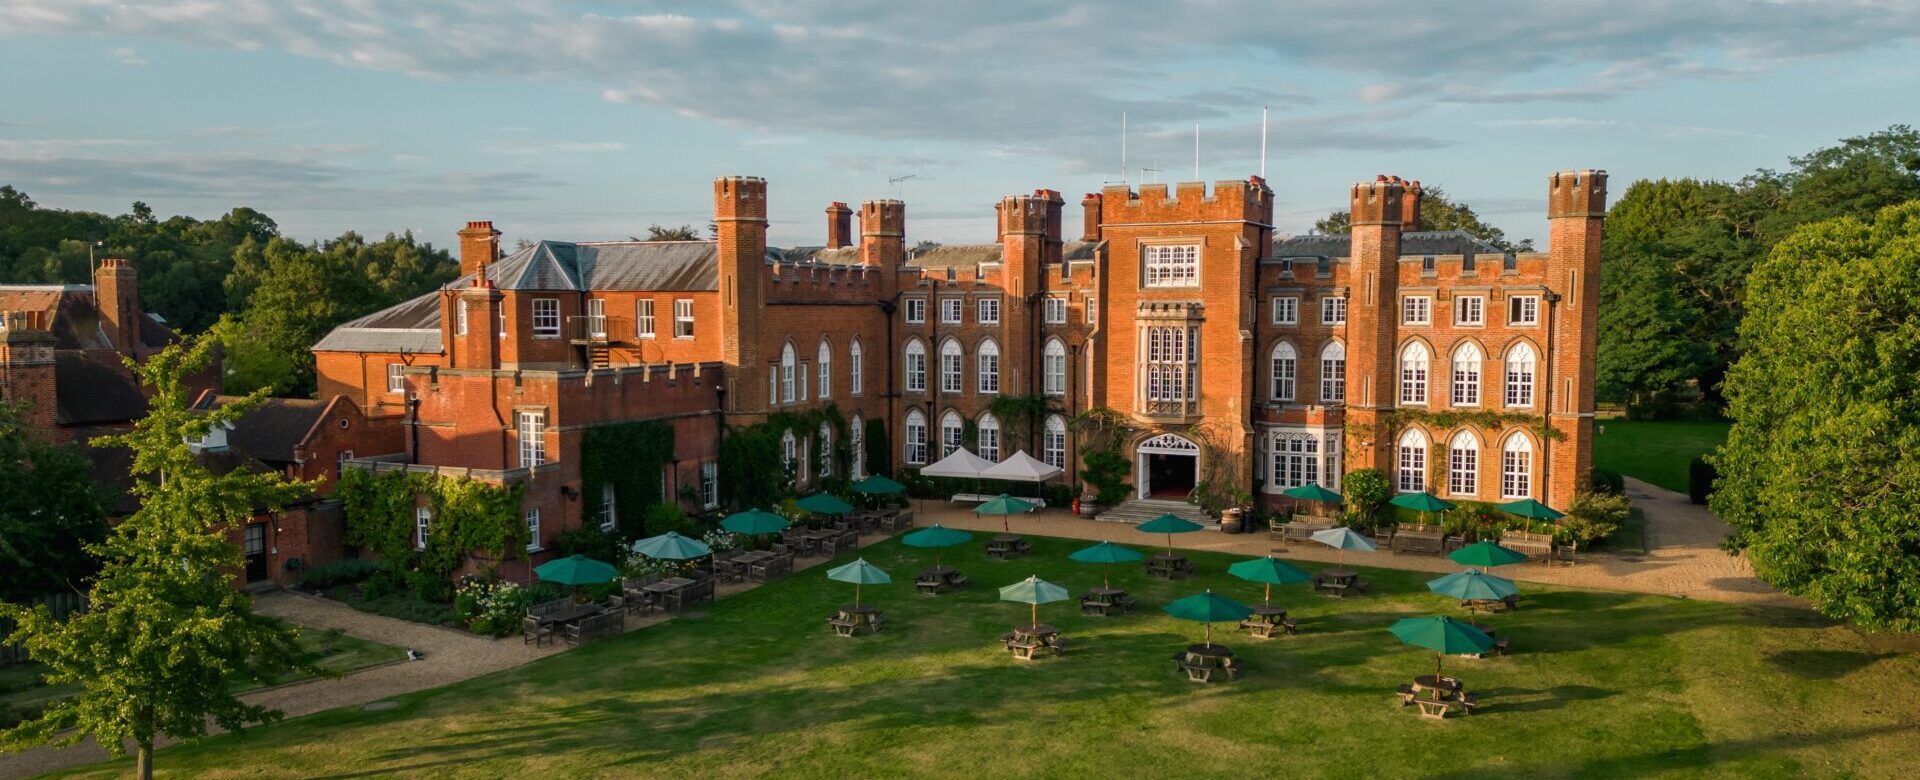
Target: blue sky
(579,121)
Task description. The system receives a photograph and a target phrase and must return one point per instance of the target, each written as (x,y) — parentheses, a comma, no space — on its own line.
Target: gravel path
(1683,559)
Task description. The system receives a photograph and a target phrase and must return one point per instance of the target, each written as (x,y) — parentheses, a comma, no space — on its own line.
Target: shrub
(590,541)
(383,581)
(491,607)
(1608,482)
(430,587)
(667,516)
(1107,471)
(339,572)
(1367,493)
(1592,517)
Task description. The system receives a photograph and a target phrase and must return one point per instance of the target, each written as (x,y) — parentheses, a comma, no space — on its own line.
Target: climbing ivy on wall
(748,455)
(1019,416)
(630,456)
(469,517)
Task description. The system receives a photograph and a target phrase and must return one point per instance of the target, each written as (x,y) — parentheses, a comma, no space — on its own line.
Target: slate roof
(1414,244)
(970,255)
(677,266)
(89,392)
(273,429)
(408,327)
(75,318)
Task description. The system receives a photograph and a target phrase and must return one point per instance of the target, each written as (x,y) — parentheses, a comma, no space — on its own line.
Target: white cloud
(1047,74)
(128,56)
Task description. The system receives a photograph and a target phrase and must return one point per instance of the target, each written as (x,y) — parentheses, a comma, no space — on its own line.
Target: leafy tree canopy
(50,513)
(663,233)
(1437,212)
(1821,470)
(1676,257)
(166,634)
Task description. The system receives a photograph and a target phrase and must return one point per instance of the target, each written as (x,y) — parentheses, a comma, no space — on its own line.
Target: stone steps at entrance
(1141,510)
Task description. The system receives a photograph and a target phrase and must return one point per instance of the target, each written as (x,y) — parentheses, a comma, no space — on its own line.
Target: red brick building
(1241,357)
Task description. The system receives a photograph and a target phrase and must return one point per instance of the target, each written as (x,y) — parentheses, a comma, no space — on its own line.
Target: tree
(288,295)
(681,233)
(1437,212)
(1700,239)
(1367,492)
(50,513)
(1820,473)
(166,635)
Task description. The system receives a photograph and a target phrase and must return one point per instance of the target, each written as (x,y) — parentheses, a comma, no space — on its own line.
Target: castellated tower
(1372,321)
(740,213)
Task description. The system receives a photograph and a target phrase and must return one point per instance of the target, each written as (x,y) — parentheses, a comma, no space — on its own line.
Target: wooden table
(1168,565)
(570,614)
(1104,601)
(1025,641)
(851,619)
(666,593)
(1007,546)
(1265,620)
(939,579)
(1336,581)
(1202,662)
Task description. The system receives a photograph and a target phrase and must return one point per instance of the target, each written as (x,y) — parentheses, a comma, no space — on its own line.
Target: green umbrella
(1208,608)
(671,546)
(1343,539)
(936,536)
(1422,502)
(1105,552)
(1269,570)
(1443,635)
(1004,506)
(577,570)
(878,485)
(1034,591)
(754,522)
(1486,555)
(1530,509)
(859,573)
(824,504)
(1168,524)
(1473,585)
(1312,491)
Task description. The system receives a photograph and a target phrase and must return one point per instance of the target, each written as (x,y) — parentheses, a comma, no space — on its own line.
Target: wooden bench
(1434,709)
(595,626)
(842,626)
(1300,529)
(1418,540)
(1538,547)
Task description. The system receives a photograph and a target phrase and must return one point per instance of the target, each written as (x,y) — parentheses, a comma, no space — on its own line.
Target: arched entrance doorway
(1168,466)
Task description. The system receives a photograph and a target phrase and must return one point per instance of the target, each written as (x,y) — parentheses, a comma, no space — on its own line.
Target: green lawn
(23,695)
(1601,685)
(1655,451)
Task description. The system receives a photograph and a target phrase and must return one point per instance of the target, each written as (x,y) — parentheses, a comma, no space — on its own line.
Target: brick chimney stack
(1410,207)
(117,296)
(839,225)
(1090,216)
(26,369)
(479,247)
